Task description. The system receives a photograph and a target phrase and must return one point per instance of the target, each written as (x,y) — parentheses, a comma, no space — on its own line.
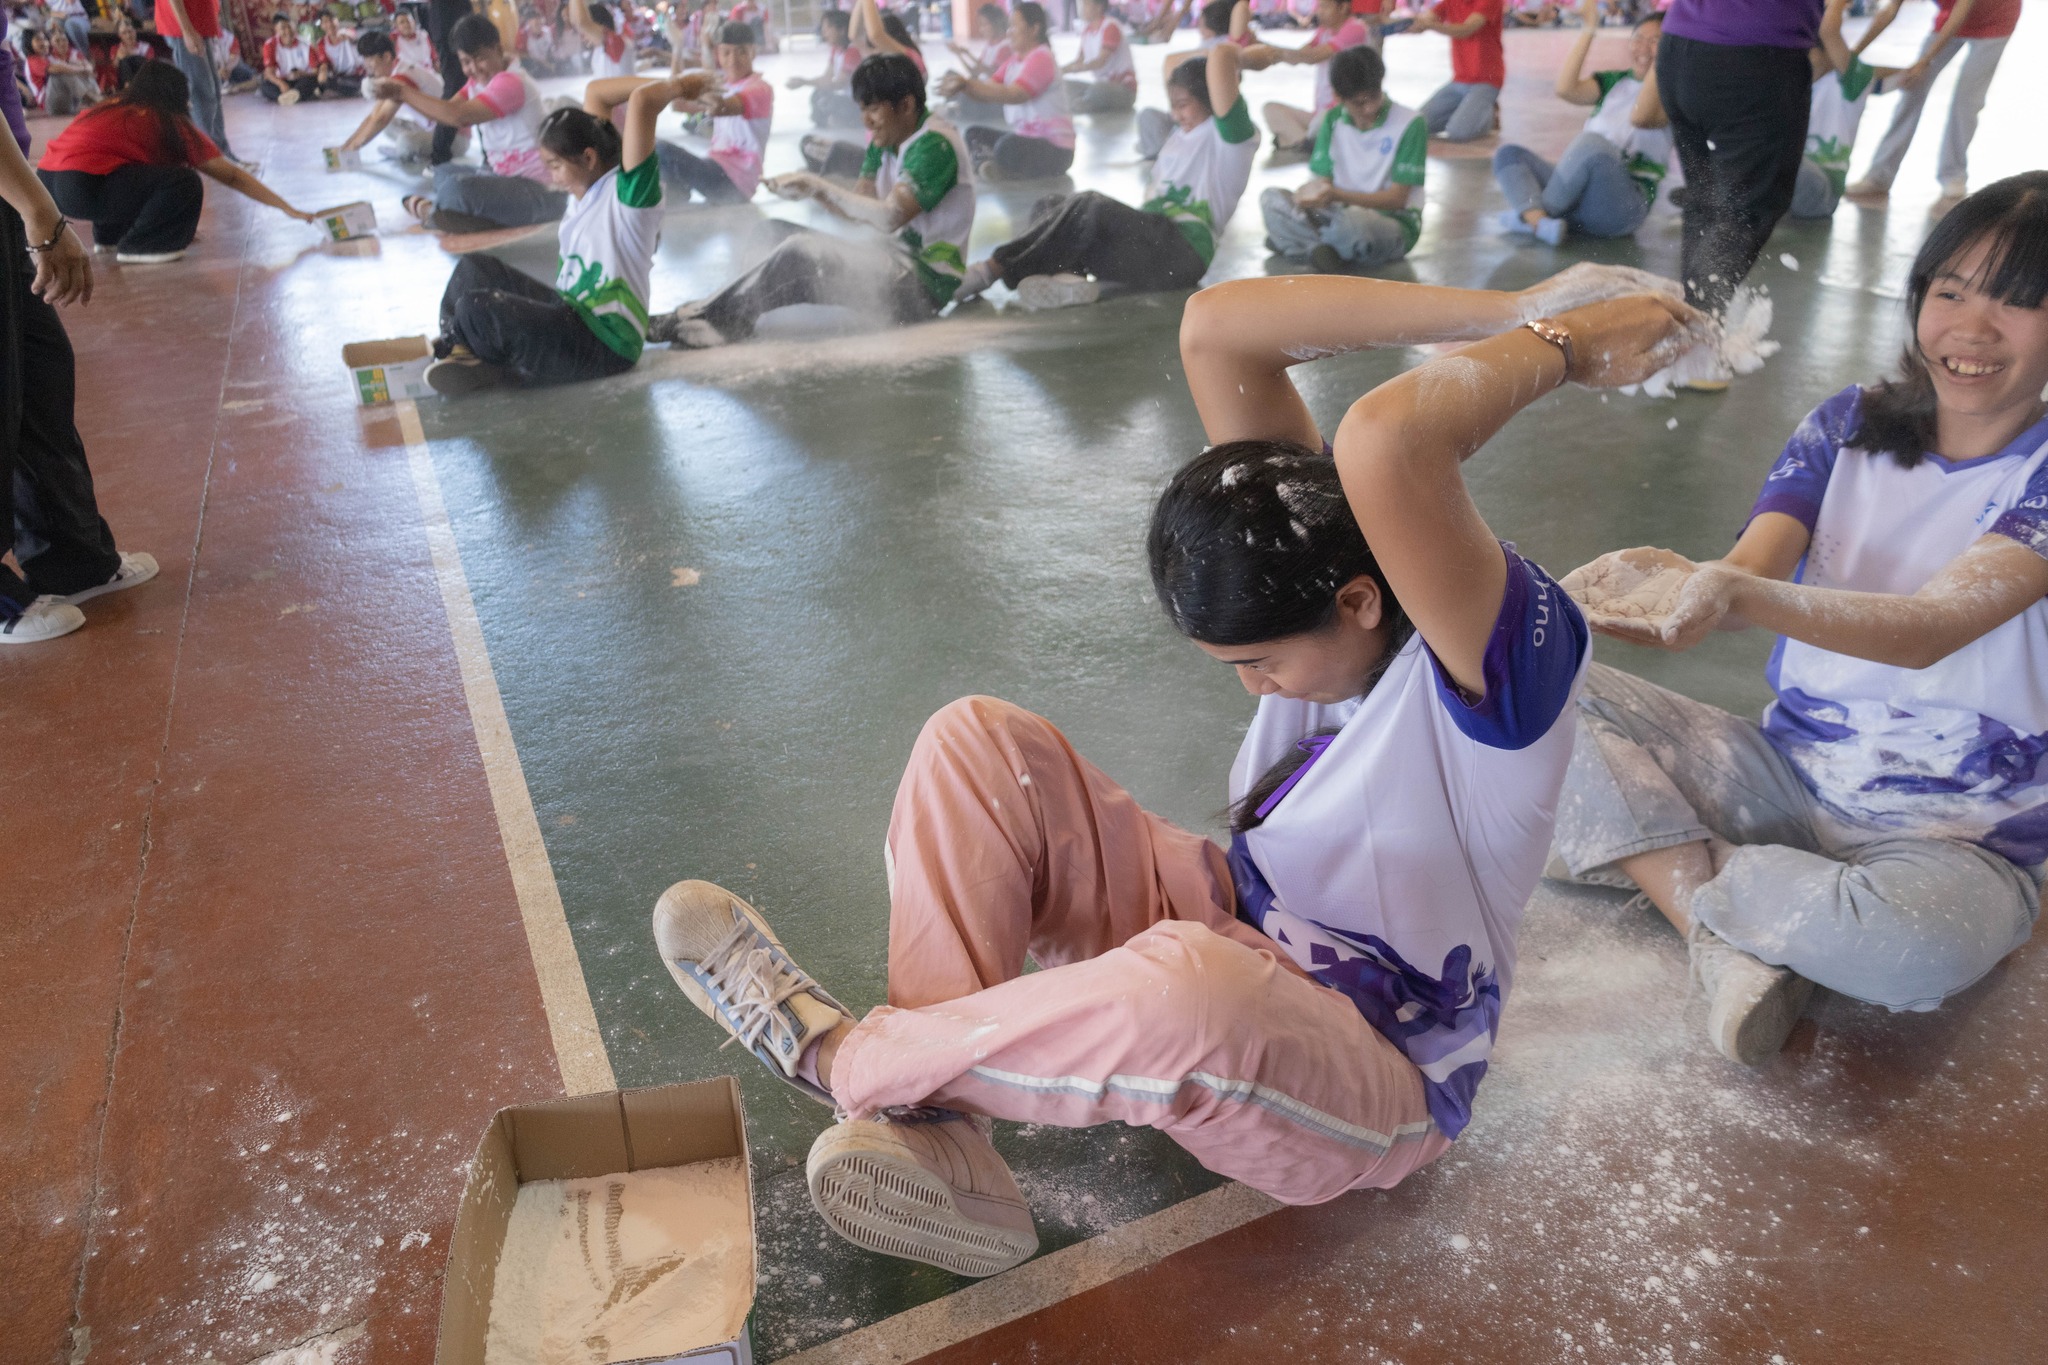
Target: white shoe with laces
(1038,292)
(924,1185)
(1751,1005)
(731,966)
(136,568)
(46,618)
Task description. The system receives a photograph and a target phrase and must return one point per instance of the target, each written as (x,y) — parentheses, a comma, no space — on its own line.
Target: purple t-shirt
(1747,23)
(10,93)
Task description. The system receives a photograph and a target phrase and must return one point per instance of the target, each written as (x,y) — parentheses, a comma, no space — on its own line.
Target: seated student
(1040,140)
(832,105)
(742,113)
(1218,21)
(541,50)
(610,54)
(1196,182)
(503,105)
(874,32)
(1106,55)
(414,47)
(1364,205)
(1468,106)
(1313,1010)
(236,75)
(407,134)
(1538,14)
(1606,182)
(1159,21)
(1882,833)
(499,326)
(1842,83)
(915,186)
(336,60)
(66,82)
(1337,30)
(288,71)
(130,166)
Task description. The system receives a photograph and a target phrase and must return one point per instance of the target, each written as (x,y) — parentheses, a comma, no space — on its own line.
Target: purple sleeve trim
(2029,528)
(1798,481)
(1531,663)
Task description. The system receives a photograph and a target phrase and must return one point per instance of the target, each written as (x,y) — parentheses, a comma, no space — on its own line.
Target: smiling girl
(1883,831)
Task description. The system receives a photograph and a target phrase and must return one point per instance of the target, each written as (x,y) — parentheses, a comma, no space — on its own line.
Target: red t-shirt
(204,14)
(1991,18)
(1476,60)
(104,139)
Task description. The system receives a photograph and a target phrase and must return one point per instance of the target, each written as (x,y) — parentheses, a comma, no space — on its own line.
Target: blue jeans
(205,83)
(503,200)
(1459,113)
(1364,236)
(1590,187)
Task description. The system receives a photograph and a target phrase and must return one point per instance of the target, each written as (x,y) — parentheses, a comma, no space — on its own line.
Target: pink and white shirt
(1350,33)
(738,140)
(511,141)
(1045,114)
(1108,36)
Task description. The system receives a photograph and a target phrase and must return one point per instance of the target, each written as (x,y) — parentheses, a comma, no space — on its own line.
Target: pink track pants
(1155,1004)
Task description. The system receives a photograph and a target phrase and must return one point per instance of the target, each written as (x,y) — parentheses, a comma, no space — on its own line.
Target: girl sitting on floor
(1039,142)
(1105,58)
(1311,1012)
(501,326)
(1883,832)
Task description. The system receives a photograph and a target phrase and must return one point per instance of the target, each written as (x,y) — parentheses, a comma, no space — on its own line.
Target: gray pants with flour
(1895,920)
(1361,236)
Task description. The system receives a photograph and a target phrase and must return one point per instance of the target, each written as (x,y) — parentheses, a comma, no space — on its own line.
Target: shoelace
(753,982)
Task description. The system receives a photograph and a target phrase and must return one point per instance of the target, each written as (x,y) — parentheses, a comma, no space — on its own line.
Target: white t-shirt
(1835,114)
(1645,152)
(419,79)
(1393,151)
(1397,864)
(933,161)
(511,141)
(1955,750)
(608,237)
(417,50)
(1108,36)
(613,57)
(1351,33)
(1199,176)
(341,54)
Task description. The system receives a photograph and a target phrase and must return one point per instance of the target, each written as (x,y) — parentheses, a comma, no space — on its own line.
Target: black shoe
(461,374)
(1324,260)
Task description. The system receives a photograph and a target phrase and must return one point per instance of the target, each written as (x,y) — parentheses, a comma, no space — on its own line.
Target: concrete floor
(295,983)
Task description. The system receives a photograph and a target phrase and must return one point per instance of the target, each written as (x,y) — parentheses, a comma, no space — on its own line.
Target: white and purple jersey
(1954,750)
(1396,863)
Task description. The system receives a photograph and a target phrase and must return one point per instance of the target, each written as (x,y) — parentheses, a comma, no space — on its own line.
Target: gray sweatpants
(1973,85)
(1460,113)
(1895,920)
(1362,236)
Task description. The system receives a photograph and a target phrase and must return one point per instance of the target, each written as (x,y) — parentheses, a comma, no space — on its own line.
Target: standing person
(49,516)
(1337,30)
(1736,80)
(1105,56)
(1314,1010)
(1883,832)
(1040,139)
(1468,107)
(1364,204)
(1980,30)
(442,17)
(1606,181)
(915,186)
(500,326)
(131,166)
(190,27)
(503,105)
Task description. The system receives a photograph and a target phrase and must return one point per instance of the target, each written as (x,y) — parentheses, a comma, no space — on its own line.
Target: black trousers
(306,83)
(1024,158)
(1092,234)
(133,208)
(46,500)
(812,267)
(441,17)
(509,319)
(1738,116)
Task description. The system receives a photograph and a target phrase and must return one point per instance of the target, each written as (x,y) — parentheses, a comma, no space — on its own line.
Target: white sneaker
(136,568)
(731,965)
(1955,189)
(46,619)
(1751,1005)
(925,1185)
(148,257)
(1867,189)
(288,99)
(1056,291)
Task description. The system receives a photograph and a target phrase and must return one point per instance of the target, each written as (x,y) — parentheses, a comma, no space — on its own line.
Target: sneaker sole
(1761,1032)
(878,1199)
(1040,293)
(457,380)
(118,585)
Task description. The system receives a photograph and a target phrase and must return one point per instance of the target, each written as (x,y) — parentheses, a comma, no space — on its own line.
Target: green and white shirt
(1391,150)
(1199,176)
(1832,119)
(933,161)
(608,240)
(1645,152)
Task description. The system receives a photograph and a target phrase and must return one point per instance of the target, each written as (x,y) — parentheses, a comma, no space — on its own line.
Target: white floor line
(579,1049)
(1042,1283)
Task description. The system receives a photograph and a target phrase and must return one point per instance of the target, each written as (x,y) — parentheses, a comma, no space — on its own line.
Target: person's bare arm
(1957,17)
(1574,86)
(1879,22)
(578,12)
(878,37)
(64,269)
(1391,198)
(1648,110)
(376,121)
(856,205)
(1832,43)
(1240,21)
(456,113)
(194,44)
(235,178)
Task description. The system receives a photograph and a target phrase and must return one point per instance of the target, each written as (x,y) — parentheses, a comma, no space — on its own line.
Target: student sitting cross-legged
(1606,181)
(915,187)
(1364,205)
(501,326)
(503,105)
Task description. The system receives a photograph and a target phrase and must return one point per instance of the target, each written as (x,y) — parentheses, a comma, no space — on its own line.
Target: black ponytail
(569,133)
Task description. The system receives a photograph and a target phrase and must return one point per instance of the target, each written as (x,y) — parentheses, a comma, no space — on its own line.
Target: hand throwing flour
(622,1267)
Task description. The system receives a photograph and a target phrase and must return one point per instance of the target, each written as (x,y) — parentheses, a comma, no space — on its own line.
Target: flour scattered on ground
(1788,260)
(622,1267)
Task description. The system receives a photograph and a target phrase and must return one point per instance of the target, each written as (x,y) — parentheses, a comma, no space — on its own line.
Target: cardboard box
(386,371)
(582,1137)
(342,158)
(346,221)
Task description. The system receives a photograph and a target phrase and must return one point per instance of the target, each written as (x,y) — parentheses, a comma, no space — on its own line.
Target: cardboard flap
(674,1125)
(480,1223)
(569,1139)
(395,351)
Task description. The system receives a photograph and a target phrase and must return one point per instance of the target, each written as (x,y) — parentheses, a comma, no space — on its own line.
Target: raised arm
(1574,86)
(878,37)
(1240,21)
(578,12)
(1648,111)
(644,97)
(1223,77)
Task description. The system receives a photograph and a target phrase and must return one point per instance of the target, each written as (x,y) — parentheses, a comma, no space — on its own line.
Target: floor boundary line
(565,995)
(1039,1284)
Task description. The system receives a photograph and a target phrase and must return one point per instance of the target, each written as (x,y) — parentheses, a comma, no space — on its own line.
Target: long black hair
(1250,542)
(570,132)
(2011,218)
(161,91)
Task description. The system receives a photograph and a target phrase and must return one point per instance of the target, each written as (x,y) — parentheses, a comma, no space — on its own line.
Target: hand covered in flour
(1654,597)
(794,185)
(1626,340)
(1586,283)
